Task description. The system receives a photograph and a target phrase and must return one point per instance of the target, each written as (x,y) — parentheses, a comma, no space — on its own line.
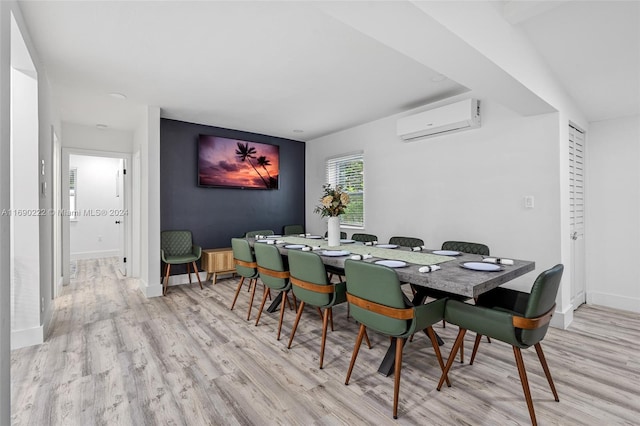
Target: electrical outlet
(529,202)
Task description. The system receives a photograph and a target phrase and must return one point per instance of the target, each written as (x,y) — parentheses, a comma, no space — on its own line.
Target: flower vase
(333,231)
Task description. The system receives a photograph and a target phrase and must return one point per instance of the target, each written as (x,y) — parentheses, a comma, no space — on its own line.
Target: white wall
(5,182)
(613,213)
(465,186)
(91,138)
(146,231)
(94,234)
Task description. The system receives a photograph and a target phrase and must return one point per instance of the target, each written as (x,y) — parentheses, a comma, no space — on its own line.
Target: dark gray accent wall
(215,215)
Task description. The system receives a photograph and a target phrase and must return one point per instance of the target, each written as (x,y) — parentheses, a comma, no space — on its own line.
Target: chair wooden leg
(253,293)
(525,384)
(295,324)
(237,292)
(286,296)
(264,299)
(436,349)
(452,356)
(476,345)
(331,317)
(195,268)
(462,352)
(366,337)
(325,323)
(356,348)
(396,374)
(189,271)
(295,301)
(166,280)
(545,367)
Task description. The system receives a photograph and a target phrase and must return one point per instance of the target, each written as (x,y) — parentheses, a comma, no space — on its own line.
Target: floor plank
(115,357)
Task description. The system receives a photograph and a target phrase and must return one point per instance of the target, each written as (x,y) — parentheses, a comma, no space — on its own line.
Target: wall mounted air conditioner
(450,118)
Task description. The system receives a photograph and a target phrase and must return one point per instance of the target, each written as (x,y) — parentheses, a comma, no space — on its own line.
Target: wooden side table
(218,261)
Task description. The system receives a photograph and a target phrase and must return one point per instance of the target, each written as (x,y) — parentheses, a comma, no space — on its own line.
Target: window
(73,207)
(348,172)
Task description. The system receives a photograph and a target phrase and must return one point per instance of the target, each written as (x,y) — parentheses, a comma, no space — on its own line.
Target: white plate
(273,236)
(482,266)
(262,241)
(294,246)
(392,263)
(345,241)
(335,253)
(314,237)
(446,252)
(389,246)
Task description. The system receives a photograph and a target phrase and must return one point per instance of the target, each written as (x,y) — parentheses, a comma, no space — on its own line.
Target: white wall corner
(150,290)
(562,319)
(27,337)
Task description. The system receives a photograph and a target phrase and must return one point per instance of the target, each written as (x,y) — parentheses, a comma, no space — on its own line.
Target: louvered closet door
(576,209)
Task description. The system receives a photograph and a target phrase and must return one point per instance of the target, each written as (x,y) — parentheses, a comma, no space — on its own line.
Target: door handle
(117,222)
(574,235)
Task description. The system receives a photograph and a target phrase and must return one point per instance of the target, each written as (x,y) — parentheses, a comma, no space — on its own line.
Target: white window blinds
(348,172)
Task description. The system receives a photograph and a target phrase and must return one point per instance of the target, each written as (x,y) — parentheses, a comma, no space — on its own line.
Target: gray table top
(451,278)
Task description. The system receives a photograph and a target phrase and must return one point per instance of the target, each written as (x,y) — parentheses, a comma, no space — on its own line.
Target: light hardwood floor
(114,357)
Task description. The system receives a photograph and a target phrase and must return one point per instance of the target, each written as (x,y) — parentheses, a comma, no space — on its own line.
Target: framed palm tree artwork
(232,163)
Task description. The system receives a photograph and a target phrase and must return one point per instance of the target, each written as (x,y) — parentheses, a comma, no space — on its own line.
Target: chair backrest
(343,235)
(292,229)
(380,285)
(242,252)
(273,271)
(541,300)
(406,241)
(466,247)
(308,267)
(176,243)
(364,238)
(252,234)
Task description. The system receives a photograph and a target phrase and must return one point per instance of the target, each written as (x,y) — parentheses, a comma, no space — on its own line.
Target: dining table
(430,272)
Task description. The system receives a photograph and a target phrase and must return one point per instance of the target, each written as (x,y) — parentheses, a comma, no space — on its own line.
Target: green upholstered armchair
(377,302)
(312,287)
(252,234)
(406,241)
(274,273)
(466,247)
(292,229)
(176,247)
(364,238)
(517,318)
(246,267)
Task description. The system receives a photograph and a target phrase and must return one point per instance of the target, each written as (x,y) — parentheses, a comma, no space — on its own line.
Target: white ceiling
(275,67)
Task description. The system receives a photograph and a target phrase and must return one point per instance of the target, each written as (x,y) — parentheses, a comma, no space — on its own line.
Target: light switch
(529,202)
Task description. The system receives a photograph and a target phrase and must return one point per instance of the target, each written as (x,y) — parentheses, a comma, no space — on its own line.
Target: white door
(121,216)
(576,208)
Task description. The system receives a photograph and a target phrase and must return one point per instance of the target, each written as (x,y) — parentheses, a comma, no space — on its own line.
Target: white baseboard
(94,254)
(27,337)
(624,303)
(562,319)
(150,290)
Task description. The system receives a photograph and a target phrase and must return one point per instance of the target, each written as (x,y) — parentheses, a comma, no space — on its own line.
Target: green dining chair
(246,267)
(292,230)
(377,302)
(252,234)
(364,238)
(406,241)
(176,247)
(274,274)
(466,247)
(514,317)
(311,286)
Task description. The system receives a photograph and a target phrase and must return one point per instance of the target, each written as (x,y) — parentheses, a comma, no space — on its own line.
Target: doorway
(96,195)
(576,210)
